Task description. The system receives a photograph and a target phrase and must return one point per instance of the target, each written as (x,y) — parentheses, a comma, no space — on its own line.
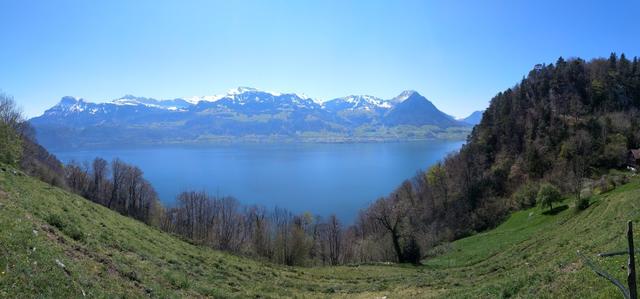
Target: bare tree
(260,229)
(282,220)
(11,144)
(229,225)
(77,178)
(334,238)
(191,216)
(99,171)
(388,214)
(10,114)
(117,179)
(576,152)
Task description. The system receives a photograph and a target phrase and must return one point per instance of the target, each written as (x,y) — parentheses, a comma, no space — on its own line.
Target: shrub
(75,233)
(178,281)
(66,227)
(526,195)
(604,185)
(582,203)
(609,182)
(56,220)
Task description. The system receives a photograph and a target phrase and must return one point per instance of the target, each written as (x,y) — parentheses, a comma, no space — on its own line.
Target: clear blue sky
(457,53)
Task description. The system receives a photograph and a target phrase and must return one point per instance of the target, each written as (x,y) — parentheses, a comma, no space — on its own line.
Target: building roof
(635,153)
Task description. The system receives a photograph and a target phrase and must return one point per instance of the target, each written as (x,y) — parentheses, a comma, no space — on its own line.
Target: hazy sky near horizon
(458,54)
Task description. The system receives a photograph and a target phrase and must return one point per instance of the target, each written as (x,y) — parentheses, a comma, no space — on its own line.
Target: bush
(609,182)
(56,220)
(66,227)
(526,195)
(582,203)
(178,281)
(75,233)
(603,185)
(547,195)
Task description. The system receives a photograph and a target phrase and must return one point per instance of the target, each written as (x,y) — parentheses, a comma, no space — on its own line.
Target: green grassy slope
(105,254)
(534,255)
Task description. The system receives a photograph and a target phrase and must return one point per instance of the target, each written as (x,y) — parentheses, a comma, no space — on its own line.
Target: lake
(322,178)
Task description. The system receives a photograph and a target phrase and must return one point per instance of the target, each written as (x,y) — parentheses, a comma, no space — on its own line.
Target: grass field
(55,244)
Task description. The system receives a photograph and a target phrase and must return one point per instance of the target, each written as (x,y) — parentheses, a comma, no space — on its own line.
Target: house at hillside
(633,158)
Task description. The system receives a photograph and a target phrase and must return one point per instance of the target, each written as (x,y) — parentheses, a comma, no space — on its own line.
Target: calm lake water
(320,178)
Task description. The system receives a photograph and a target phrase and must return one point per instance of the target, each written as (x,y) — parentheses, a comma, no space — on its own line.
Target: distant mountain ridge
(413,109)
(473,118)
(243,113)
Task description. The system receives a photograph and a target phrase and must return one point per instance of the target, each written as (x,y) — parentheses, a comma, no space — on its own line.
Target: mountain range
(243,114)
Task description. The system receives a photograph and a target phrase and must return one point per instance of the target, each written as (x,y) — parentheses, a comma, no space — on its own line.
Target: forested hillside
(565,124)
(18,146)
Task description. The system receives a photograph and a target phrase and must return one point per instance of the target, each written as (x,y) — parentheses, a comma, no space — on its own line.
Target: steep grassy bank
(106,254)
(55,244)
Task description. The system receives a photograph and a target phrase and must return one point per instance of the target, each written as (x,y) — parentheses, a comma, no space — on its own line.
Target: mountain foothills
(557,139)
(243,114)
(559,131)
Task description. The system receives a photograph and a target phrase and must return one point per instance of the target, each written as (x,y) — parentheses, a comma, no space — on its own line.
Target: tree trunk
(396,245)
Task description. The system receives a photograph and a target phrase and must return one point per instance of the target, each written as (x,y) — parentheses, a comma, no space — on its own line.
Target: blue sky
(457,53)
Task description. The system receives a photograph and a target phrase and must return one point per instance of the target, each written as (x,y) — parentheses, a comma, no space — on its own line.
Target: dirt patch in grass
(52,234)
(79,252)
(571,267)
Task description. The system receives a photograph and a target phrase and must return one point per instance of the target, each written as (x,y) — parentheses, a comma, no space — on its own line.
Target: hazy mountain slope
(414,109)
(473,118)
(358,109)
(55,244)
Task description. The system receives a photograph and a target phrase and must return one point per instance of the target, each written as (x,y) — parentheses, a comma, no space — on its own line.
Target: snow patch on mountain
(194,100)
(126,102)
(71,104)
(403,96)
(358,102)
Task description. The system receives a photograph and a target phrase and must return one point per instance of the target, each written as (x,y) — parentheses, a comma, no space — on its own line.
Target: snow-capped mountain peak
(169,104)
(68,101)
(304,96)
(240,90)
(69,104)
(367,100)
(194,100)
(239,95)
(358,102)
(404,95)
(130,100)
